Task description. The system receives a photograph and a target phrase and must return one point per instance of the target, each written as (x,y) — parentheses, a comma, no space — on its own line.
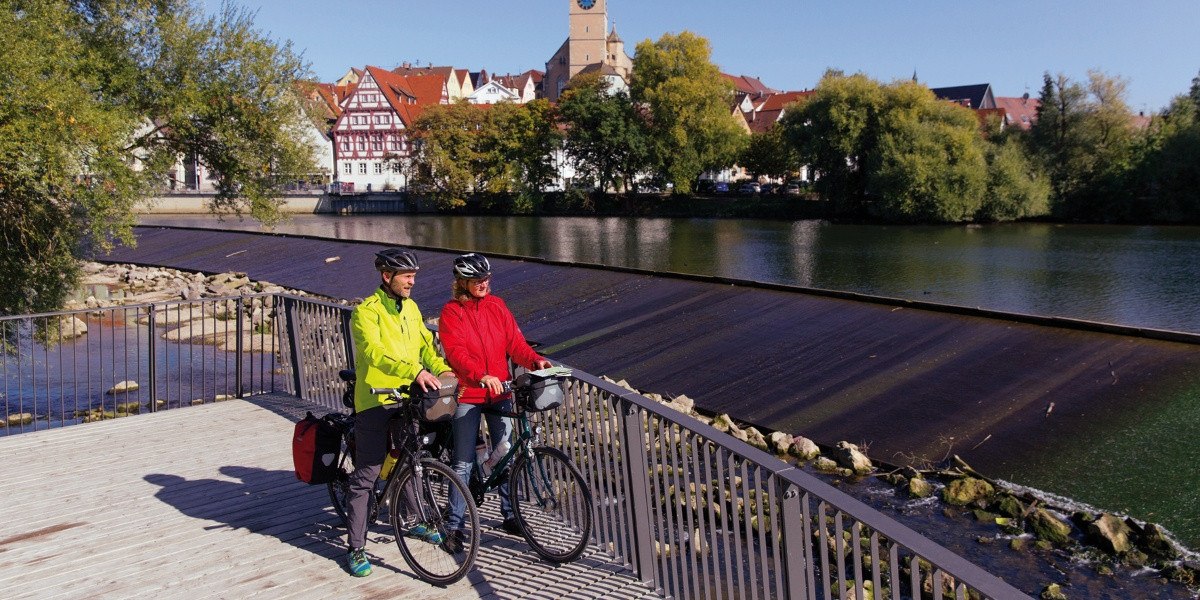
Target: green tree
(770,154)
(606,134)
(691,125)
(927,165)
(835,133)
(448,163)
(1168,174)
(1016,189)
(518,142)
(1084,136)
(103,97)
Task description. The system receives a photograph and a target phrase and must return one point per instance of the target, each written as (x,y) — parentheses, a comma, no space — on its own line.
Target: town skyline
(788,45)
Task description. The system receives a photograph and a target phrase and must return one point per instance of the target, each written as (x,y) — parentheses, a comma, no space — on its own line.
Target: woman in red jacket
(480,335)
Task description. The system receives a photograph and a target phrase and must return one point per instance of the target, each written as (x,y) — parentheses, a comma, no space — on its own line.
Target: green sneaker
(357,561)
(425,531)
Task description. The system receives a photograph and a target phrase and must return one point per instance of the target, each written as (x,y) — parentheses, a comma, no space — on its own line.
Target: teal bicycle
(550,499)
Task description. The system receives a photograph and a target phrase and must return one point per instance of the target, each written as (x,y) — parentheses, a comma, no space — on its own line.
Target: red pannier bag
(315,447)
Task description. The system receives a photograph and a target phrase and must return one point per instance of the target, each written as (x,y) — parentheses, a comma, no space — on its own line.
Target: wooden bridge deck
(201,502)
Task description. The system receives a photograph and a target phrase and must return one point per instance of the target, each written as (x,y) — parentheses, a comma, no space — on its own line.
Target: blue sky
(1155,44)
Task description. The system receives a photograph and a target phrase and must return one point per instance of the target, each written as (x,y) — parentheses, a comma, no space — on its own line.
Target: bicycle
(551,501)
(415,491)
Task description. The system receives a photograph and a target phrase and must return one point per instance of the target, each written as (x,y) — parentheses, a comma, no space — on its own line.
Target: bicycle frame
(526,437)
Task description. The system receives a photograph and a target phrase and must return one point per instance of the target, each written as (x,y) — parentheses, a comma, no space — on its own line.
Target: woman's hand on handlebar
(493,384)
(541,364)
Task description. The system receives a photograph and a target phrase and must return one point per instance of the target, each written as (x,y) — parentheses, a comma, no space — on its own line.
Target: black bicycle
(413,491)
(551,501)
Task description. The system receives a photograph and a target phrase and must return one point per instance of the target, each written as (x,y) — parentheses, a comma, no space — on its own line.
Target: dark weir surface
(1047,406)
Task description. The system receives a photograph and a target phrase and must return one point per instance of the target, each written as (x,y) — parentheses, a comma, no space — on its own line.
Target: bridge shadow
(272,503)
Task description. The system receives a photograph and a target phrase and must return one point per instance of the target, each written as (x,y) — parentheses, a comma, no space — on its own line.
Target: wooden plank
(201,502)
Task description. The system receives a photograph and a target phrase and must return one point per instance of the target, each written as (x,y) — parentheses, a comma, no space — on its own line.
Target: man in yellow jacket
(393,349)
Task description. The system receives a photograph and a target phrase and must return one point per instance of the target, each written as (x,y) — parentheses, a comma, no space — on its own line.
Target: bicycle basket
(537,394)
(439,404)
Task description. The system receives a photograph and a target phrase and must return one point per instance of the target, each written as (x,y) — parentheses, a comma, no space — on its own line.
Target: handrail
(695,512)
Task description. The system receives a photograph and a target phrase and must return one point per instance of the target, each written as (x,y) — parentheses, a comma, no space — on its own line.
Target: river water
(1137,276)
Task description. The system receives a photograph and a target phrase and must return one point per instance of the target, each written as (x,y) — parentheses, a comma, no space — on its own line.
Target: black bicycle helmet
(396,259)
(472,266)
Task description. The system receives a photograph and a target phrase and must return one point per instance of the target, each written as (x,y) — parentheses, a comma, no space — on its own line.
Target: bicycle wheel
(339,488)
(420,507)
(552,503)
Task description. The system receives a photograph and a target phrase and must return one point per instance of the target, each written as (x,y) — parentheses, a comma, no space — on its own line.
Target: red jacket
(479,336)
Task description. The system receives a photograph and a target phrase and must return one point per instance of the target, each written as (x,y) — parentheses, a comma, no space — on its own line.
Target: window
(362,168)
(378,168)
(360,144)
(347,168)
(376,145)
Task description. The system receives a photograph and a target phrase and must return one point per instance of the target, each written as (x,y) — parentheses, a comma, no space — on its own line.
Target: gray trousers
(370,440)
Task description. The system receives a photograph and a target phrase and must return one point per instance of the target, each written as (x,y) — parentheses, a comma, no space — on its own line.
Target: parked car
(720,187)
(704,186)
(748,188)
(792,189)
(768,188)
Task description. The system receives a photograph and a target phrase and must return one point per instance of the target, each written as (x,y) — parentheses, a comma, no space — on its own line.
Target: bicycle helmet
(396,259)
(472,266)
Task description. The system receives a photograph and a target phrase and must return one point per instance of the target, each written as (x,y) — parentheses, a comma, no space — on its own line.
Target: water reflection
(1140,276)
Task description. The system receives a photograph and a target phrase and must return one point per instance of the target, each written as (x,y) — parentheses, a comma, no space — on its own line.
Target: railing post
(151,347)
(289,307)
(239,329)
(794,541)
(633,441)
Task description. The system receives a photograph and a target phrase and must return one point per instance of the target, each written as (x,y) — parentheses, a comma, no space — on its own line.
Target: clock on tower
(586,4)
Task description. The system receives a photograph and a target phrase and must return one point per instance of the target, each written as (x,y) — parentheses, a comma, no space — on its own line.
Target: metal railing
(693,511)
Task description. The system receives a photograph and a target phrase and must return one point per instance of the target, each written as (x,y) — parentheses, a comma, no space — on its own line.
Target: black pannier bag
(437,405)
(315,446)
(536,393)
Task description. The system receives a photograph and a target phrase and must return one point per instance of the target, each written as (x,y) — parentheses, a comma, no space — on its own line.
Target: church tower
(587,35)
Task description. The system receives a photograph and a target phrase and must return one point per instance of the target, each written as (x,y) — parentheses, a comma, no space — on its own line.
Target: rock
(968,490)
(1009,506)
(1016,544)
(129,408)
(825,464)
(1135,558)
(1048,527)
(755,438)
(72,327)
(1155,544)
(222,397)
(683,404)
(780,442)
(723,422)
(1053,592)
(804,448)
(18,419)
(1110,534)
(918,487)
(123,387)
(849,456)
(984,516)
(1104,570)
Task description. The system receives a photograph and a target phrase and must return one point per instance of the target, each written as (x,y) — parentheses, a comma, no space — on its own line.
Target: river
(1139,276)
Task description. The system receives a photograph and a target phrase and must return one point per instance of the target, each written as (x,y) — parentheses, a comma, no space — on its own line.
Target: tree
(927,164)
(517,144)
(691,126)
(1015,187)
(834,131)
(770,154)
(606,134)
(448,161)
(103,97)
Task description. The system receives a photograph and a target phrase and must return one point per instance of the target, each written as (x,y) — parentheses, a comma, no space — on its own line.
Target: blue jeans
(465,429)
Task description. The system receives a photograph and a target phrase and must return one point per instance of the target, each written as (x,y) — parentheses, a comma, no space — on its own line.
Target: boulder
(849,456)
(918,487)
(804,448)
(1048,527)
(723,422)
(968,490)
(123,387)
(1155,543)
(1009,506)
(755,438)
(780,442)
(825,464)
(72,327)
(1110,534)
(18,419)
(683,404)
(1053,592)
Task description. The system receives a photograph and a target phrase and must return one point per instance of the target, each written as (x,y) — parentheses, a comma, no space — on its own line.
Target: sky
(1154,45)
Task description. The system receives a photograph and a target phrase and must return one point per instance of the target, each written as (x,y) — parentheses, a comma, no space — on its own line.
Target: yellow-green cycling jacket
(392,346)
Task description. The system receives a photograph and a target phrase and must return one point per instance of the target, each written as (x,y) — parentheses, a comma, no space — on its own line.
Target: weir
(1020,398)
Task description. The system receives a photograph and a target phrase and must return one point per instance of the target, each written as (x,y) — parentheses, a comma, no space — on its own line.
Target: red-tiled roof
(748,85)
(397,91)
(782,99)
(429,89)
(1021,112)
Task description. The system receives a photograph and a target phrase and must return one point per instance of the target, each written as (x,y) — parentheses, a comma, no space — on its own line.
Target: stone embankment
(1022,519)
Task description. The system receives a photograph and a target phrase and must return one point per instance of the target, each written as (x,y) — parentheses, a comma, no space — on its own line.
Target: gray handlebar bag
(537,394)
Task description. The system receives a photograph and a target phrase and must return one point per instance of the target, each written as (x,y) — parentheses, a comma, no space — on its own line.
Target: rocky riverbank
(1033,540)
